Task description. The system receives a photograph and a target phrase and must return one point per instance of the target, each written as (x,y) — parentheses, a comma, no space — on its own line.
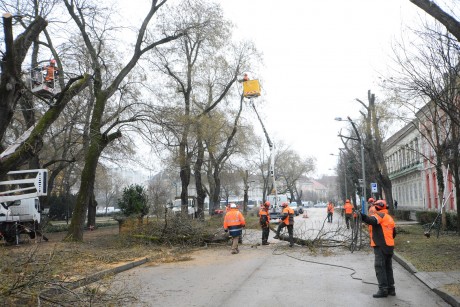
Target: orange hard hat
(347,201)
(267,204)
(284,204)
(370,200)
(53,61)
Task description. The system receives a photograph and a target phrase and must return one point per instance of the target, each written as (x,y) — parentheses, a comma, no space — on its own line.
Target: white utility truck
(20,211)
(191,208)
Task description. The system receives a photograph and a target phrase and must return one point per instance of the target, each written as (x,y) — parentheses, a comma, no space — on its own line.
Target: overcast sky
(319,56)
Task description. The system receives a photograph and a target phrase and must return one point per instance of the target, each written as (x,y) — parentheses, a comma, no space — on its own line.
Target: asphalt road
(275,275)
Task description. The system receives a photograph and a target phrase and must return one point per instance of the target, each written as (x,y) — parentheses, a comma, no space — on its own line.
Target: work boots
(381,293)
(276,237)
(265,243)
(392,291)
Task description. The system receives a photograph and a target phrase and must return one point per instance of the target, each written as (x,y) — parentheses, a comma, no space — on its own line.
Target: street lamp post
(360,140)
(345,174)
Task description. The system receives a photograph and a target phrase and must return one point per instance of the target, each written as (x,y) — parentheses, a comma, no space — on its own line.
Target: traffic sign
(373,187)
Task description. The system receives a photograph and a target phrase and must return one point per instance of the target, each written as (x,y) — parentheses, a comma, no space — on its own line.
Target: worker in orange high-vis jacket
(287,220)
(382,241)
(264,221)
(330,211)
(234,223)
(348,208)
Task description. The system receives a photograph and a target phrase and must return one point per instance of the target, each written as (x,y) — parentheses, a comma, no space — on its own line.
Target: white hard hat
(232,206)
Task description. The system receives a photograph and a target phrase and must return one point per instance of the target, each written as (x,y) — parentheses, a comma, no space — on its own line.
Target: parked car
(295,207)
(320,205)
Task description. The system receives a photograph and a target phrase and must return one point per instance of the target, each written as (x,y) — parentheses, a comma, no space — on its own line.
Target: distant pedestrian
(396,204)
(330,212)
(287,220)
(234,223)
(264,221)
(382,240)
(348,208)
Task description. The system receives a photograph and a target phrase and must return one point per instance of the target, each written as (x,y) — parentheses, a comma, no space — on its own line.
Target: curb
(452,300)
(95,277)
(98,276)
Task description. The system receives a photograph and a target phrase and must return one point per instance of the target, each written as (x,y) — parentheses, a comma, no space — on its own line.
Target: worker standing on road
(382,240)
(287,220)
(264,221)
(234,223)
(330,211)
(348,208)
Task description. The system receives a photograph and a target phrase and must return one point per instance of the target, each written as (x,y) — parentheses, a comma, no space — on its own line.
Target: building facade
(410,158)
(405,168)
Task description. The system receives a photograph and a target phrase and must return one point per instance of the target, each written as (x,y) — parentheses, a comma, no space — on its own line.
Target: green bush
(403,215)
(134,201)
(451,221)
(60,206)
(427,217)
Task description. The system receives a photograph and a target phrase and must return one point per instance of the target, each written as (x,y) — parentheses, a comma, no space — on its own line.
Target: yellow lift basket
(251,88)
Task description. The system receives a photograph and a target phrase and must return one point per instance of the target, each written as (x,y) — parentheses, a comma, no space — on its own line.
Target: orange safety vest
(234,218)
(287,216)
(348,208)
(383,234)
(330,208)
(50,72)
(264,215)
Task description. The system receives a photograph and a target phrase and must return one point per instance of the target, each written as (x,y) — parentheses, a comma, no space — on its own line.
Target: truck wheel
(9,239)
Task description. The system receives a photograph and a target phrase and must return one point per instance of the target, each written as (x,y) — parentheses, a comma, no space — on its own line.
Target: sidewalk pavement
(436,281)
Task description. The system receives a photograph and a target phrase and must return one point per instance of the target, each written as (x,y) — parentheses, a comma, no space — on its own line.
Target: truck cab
(191,208)
(275,206)
(21,210)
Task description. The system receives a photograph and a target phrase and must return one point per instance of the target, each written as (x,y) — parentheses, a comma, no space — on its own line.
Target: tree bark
(431,8)
(33,144)
(200,192)
(16,50)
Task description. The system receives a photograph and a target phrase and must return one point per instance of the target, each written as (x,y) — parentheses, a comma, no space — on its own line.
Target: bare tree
(426,80)
(104,132)
(202,68)
(290,167)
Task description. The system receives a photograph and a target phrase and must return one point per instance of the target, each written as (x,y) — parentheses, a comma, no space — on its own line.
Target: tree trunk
(451,24)
(212,188)
(441,188)
(216,195)
(85,193)
(245,195)
(13,57)
(200,192)
(457,191)
(92,208)
(185,181)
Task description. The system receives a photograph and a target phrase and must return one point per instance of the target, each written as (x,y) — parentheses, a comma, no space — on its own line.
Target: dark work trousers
(347,219)
(329,217)
(384,269)
(290,229)
(265,233)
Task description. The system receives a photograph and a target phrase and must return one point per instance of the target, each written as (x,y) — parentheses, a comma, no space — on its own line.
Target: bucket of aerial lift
(251,88)
(40,86)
